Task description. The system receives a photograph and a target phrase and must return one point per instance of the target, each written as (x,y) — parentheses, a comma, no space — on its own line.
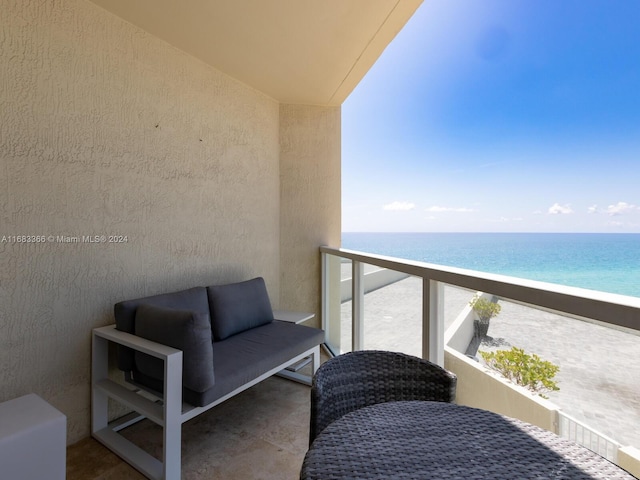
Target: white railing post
(433,321)
(331,272)
(357,305)
(324,292)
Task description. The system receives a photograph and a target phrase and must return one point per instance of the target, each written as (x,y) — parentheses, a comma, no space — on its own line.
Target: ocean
(597,261)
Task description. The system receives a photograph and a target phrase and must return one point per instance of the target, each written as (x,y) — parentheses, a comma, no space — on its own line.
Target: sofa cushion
(194,299)
(185,330)
(237,307)
(242,358)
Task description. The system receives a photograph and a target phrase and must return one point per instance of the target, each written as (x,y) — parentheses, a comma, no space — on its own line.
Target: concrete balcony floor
(261,433)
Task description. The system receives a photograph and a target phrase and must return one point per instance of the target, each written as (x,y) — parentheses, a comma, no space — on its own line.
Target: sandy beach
(599,375)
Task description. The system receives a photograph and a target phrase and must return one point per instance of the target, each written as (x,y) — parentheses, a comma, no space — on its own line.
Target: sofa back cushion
(185,330)
(194,299)
(237,307)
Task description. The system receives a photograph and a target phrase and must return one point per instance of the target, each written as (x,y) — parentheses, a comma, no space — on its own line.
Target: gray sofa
(191,349)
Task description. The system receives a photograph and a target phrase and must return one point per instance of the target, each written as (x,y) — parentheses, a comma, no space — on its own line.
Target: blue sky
(499,115)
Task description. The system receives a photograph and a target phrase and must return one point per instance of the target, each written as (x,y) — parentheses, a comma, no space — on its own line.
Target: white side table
(294,317)
(33,439)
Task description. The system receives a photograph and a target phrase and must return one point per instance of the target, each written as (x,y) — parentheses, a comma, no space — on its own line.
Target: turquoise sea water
(605,262)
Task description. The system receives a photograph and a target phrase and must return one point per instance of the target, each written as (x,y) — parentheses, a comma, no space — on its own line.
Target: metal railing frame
(611,310)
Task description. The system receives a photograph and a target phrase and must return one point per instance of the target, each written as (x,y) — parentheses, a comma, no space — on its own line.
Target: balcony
(376,302)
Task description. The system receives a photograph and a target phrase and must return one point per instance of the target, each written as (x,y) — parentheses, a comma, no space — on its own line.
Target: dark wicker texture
(358,379)
(437,440)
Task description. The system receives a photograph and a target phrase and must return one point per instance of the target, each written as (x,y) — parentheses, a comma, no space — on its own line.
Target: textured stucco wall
(106,130)
(310,200)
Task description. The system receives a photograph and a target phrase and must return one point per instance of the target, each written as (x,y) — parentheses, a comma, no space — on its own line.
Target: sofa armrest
(168,414)
(171,357)
(135,342)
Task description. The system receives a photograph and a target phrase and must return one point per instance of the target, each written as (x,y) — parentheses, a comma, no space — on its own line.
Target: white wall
(310,200)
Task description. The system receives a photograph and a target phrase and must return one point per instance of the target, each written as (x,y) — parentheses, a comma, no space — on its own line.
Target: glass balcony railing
(377,302)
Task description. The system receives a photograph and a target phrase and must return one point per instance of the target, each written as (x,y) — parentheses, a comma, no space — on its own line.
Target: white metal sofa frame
(166,410)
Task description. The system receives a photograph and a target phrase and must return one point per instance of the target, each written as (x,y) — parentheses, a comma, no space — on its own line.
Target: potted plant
(485,310)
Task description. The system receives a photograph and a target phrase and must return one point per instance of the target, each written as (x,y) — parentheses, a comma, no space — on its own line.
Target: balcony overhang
(310,52)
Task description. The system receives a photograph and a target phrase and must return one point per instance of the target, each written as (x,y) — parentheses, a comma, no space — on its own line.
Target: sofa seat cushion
(194,299)
(237,307)
(182,329)
(241,358)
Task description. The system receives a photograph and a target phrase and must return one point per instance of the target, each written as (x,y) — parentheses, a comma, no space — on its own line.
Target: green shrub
(486,309)
(529,371)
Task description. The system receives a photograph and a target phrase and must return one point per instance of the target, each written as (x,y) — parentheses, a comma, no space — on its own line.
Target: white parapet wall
(629,459)
(460,333)
(481,388)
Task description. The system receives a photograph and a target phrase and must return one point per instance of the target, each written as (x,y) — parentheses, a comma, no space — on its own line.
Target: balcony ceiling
(296,51)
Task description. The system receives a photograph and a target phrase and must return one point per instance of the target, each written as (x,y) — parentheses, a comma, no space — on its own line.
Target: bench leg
(168,416)
(315,360)
(99,371)
(314,353)
(172,431)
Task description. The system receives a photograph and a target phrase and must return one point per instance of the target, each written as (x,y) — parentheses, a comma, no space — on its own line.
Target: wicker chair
(358,379)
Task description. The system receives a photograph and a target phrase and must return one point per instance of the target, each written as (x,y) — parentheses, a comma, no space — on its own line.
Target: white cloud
(556,209)
(399,206)
(620,208)
(436,208)
(593,209)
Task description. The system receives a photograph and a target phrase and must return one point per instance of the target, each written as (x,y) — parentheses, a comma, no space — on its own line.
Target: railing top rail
(610,308)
